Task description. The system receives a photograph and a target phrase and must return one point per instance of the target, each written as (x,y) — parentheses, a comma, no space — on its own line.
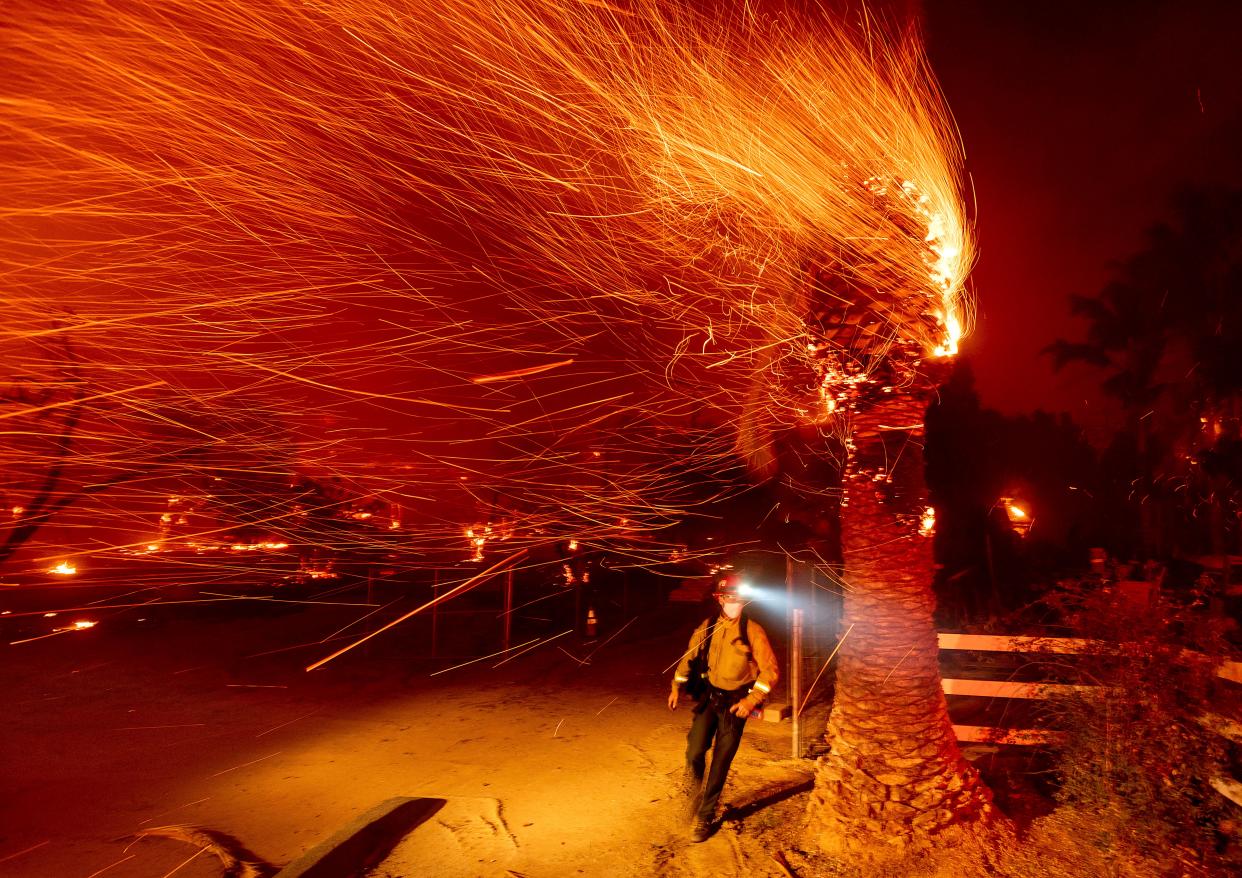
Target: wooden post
(795,682)
(789,609)
(975,611)
(578,620)
(366,650)
(435,609)
(508,608)
(813,590)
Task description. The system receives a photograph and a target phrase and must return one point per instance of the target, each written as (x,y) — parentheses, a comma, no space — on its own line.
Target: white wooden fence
(1224,726)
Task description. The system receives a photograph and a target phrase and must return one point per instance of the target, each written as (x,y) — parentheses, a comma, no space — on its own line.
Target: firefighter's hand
(743,708)
(673,698)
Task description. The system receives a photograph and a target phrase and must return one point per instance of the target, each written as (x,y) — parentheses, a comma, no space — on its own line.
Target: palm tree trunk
(894,771)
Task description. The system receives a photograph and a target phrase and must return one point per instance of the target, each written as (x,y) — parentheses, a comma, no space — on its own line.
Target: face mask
(732,609)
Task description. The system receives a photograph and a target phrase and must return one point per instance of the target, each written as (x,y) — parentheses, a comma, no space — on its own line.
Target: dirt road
(553,767)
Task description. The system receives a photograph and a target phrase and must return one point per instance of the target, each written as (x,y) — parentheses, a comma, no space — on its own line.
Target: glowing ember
(1019,518)
(555,228)
(64,568)
(254,547)
(1013,511)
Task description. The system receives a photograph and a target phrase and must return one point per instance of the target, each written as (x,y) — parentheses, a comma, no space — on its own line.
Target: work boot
(692,793)
(700,831)
(694,801)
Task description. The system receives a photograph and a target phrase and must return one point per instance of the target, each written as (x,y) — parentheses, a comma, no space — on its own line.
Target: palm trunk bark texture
(894,773)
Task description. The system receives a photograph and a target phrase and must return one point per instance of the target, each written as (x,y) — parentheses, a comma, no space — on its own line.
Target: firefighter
(740,672)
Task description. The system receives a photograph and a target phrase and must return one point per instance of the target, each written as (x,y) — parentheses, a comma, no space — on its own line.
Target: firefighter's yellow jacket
(730,664)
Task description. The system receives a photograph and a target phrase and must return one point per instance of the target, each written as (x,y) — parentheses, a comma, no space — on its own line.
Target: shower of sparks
(291,282)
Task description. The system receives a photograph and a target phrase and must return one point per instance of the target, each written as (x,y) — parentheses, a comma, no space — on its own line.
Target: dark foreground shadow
(365,842)
(767,799)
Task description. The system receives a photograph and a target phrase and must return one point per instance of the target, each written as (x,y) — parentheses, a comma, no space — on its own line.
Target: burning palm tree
(563,232)
(894,769)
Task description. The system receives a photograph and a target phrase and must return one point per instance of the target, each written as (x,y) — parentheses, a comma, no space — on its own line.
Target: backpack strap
(743,634)
(707,637)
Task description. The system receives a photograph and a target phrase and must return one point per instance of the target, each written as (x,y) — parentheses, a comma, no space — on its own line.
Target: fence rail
(1229,670)
(1004,689)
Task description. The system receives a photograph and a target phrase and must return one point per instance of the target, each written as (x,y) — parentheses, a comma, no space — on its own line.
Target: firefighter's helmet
(730,586)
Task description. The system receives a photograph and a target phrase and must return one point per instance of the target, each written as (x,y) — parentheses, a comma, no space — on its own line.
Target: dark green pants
(716,728)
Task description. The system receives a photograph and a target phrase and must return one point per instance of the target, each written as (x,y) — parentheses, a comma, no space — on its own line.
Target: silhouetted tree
(1167,331)
(50,409)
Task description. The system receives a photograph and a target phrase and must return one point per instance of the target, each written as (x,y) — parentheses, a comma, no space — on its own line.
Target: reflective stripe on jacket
(730,663)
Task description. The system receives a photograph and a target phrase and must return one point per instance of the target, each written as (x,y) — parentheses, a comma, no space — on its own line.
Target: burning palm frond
(237,860)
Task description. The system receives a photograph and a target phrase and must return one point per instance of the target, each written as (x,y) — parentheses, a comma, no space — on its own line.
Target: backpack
(697,685)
